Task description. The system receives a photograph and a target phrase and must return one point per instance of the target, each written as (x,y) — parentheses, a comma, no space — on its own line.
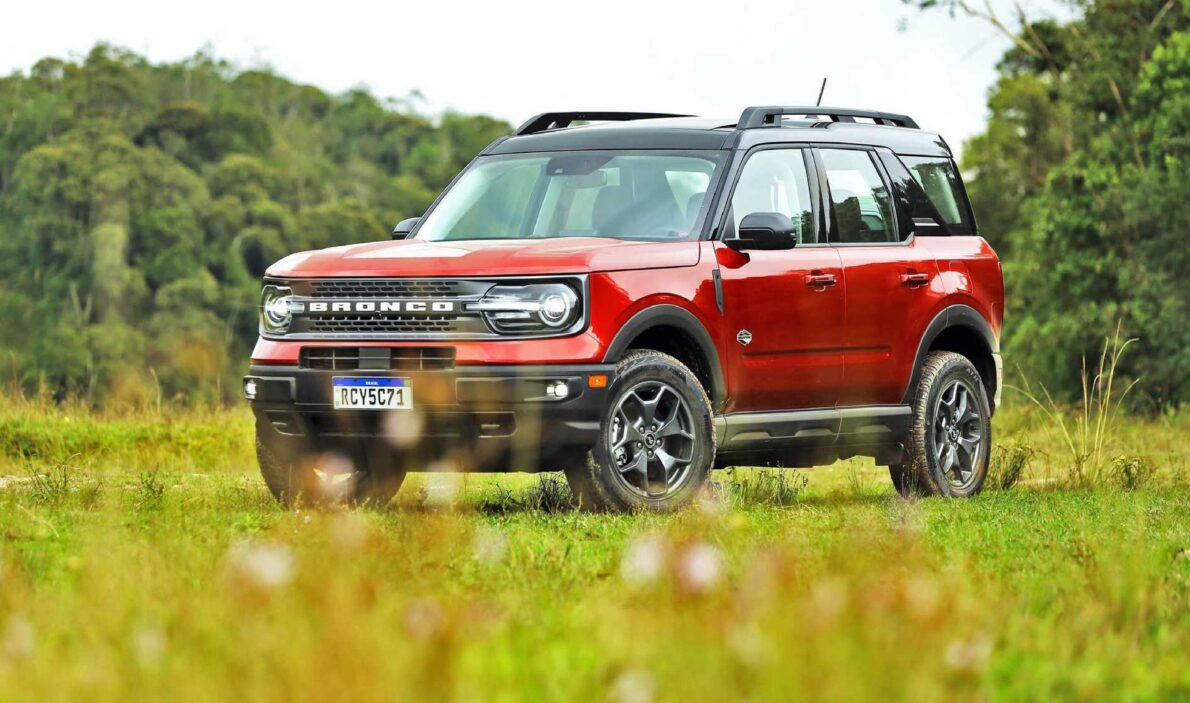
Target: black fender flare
(951,316)
(672,316)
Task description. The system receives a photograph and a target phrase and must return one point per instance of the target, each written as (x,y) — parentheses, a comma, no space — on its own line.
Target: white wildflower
(489,546)
(148,643)
(424,618)
(19,639)
(700,567)
(969,655)
(634,686)
(403,428)
(443,485)
(643,560)
(264,565)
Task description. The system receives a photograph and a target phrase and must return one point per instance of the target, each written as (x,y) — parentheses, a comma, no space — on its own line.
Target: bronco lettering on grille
(375,306)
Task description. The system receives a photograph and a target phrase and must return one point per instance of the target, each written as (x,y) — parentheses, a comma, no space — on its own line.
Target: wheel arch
(673,330)
(962,330)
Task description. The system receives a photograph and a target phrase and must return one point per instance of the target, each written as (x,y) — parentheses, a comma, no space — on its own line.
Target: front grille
(397,323)
(419,288)
(386,324)
(395,308)
(378,358)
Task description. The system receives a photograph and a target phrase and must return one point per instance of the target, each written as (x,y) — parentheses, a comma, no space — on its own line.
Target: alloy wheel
(652,439)
(957,435)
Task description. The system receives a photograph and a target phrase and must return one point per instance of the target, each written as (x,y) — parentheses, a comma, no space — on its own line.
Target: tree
(140,203)
(1081,182)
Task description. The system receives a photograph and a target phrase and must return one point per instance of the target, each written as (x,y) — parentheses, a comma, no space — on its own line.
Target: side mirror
(766,231)
(404,227)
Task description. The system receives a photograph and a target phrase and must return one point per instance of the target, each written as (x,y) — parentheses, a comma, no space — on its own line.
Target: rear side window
(940,181)
(861,201)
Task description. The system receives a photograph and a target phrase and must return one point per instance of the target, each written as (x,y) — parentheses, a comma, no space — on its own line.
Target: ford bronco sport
(639,299)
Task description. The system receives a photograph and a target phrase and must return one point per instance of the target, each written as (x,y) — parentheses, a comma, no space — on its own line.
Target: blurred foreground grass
(142,559)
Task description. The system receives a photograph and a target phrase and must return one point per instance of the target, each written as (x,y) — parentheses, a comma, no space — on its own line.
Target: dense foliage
(140,203)
(1082,183)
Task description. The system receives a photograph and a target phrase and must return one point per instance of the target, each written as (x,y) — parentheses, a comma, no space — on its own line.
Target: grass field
(142,559)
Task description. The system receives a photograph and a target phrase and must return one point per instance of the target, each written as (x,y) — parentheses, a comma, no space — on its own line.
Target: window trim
(723,211)
(873,157)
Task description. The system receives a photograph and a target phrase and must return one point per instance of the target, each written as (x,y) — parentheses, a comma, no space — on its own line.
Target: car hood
(487,257)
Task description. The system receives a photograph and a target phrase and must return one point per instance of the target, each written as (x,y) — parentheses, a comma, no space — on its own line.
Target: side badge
(744,337)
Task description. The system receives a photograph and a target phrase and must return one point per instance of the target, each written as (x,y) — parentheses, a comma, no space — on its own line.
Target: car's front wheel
(946,452)
(656,442)
(295,477)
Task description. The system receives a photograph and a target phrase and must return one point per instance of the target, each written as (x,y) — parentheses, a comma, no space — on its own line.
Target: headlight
(529,309)
(275,309)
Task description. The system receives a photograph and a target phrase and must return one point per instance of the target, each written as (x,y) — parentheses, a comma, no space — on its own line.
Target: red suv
(638,300)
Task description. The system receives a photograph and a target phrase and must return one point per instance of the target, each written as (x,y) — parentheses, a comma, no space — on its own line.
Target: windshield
(624,195)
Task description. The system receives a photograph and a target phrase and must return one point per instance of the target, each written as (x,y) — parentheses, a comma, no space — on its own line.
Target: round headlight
(555,308)
(275,314)
(529,308)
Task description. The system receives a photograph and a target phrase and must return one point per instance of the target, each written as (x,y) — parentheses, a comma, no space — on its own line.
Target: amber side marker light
(597,381)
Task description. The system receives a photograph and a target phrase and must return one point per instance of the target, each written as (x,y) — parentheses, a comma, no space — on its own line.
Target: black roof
(700,133)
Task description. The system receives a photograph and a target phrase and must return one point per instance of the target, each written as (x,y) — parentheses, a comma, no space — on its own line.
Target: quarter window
(775,180)
(860,200)
(937,177)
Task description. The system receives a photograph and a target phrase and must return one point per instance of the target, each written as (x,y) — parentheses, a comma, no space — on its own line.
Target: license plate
(372,393)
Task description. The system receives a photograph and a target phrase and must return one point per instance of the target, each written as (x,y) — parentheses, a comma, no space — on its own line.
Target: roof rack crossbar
(770,116)
(558,120)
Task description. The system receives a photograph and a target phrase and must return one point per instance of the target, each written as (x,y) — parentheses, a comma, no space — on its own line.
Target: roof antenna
(820,92)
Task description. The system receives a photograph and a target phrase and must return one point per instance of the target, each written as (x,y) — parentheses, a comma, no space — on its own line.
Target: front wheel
(295,477)
(656,442)
(950,439)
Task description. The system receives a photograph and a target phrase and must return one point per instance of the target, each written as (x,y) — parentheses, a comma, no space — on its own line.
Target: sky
(514,59)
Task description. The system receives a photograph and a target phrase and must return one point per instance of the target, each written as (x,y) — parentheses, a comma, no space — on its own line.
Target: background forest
(140,203)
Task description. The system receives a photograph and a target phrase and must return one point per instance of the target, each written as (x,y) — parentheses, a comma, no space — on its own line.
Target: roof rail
(558,120)
(770,116)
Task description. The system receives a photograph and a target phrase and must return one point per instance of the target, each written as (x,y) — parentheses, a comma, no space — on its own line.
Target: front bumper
(487,418)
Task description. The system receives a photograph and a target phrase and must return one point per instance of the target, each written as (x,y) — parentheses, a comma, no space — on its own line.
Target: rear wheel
(946,452)
(295,477)
(656,443)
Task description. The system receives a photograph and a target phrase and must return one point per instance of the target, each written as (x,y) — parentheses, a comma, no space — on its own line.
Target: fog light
(250,389)
(557,389)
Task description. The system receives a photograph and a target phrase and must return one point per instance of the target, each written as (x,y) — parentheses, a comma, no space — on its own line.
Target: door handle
(914,279)
(820,280)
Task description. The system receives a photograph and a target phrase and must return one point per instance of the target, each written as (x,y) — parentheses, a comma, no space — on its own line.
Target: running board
(871,424)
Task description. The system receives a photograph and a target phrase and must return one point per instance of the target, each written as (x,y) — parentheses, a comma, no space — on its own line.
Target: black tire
(603,483)
(582,490)
(290,475)
(949,441)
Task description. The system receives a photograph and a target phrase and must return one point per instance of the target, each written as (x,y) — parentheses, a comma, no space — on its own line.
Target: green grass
(142,559)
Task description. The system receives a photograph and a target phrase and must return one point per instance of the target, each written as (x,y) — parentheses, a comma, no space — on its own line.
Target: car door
(783,310)
(892,284)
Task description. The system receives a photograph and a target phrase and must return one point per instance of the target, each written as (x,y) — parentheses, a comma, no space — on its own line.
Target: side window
(775,180)
(860,199)
(940,181)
